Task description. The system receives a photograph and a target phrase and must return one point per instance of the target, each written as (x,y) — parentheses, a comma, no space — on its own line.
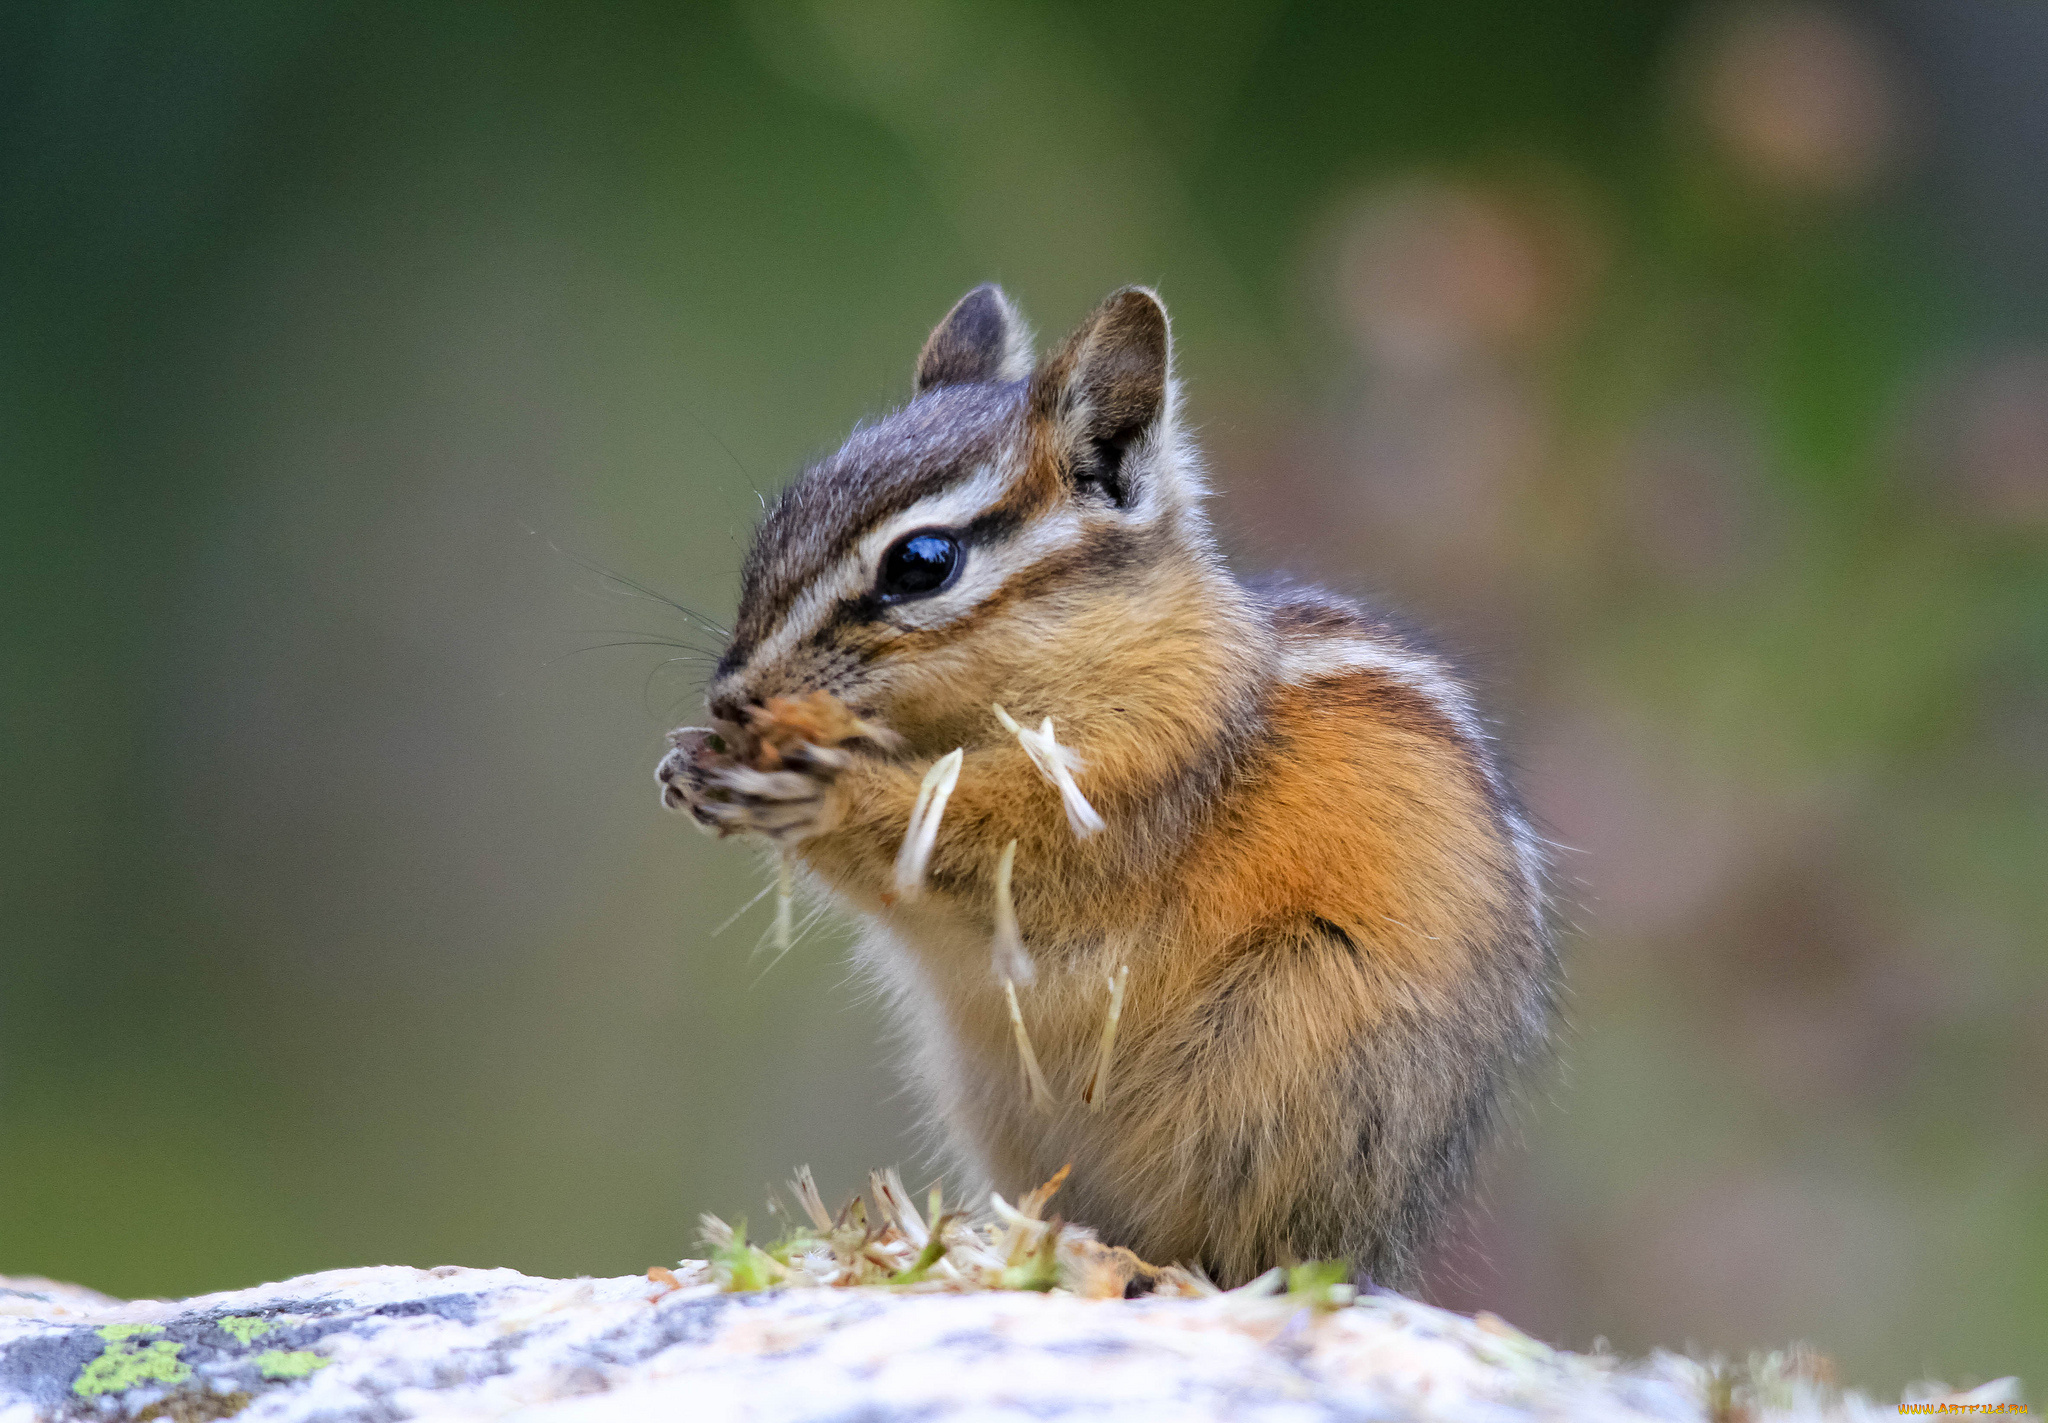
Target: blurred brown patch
(1801,97)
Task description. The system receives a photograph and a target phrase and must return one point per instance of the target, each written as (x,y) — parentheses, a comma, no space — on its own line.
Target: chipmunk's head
(1004,525)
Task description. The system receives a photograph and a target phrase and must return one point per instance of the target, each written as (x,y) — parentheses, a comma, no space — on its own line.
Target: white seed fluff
(1057,764)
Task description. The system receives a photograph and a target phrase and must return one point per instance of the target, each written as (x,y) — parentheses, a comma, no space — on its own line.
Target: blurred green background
(1685,364)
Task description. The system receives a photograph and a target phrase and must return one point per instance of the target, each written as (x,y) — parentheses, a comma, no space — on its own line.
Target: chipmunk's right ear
(1107,394)
(982,339)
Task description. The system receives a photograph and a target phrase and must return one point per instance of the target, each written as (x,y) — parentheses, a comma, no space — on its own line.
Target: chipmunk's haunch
(1329,904)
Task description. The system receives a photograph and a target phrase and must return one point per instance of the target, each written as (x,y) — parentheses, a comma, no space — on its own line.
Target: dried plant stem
(1041,1095)
(785,896)
(1097,1090)
(1034,1201)
(883,1241)
(1012,961)
(805,1187)
(923,831)
(885,1188)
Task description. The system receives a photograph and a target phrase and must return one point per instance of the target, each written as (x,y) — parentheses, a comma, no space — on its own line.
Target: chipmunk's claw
(730,798)
(681,773)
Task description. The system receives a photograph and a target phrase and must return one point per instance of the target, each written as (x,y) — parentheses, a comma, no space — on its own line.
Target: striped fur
(1329,901)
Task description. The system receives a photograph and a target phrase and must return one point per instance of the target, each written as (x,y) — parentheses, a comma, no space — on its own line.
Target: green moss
(933,1252)
(245,1327)
(1321,1284)
(739,1266)
(290,1364)
(126,1362)
(1037,1271)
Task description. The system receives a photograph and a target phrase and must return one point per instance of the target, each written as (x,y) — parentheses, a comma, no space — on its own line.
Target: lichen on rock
(127,1362)
(389,1343)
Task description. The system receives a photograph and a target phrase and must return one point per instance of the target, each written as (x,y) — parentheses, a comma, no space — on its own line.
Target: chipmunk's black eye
(920,563)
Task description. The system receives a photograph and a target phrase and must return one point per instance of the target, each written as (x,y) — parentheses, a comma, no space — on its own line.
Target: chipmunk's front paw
(684,773)
(723,794)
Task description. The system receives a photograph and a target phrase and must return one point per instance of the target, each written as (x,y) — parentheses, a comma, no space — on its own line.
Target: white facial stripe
(809,609)
(952,508)
(948,509)
(986,573)
(853,574)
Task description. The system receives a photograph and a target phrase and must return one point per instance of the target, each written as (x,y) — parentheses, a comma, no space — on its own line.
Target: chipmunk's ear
(981,339)
(1104,398)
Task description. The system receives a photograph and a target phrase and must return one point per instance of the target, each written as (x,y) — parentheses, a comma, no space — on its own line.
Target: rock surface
(391,1343)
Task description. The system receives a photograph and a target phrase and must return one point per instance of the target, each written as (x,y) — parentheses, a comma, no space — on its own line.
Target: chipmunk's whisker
(801,930)
(1097,1090)
(923,831)
(734,917)
(1057,764)
(1041,1095)
(1012,960)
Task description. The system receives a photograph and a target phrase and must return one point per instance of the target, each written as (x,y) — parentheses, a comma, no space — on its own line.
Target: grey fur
(881,470)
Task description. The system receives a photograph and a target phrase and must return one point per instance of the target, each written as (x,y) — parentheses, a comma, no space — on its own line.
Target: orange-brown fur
(1334,953)
(1220,915)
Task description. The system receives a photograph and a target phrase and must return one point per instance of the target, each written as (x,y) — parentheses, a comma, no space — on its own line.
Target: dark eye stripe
(992,526)
(1106,553)
(989,528)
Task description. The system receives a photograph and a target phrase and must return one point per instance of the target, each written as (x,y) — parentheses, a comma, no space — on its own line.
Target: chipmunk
(1330,906)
